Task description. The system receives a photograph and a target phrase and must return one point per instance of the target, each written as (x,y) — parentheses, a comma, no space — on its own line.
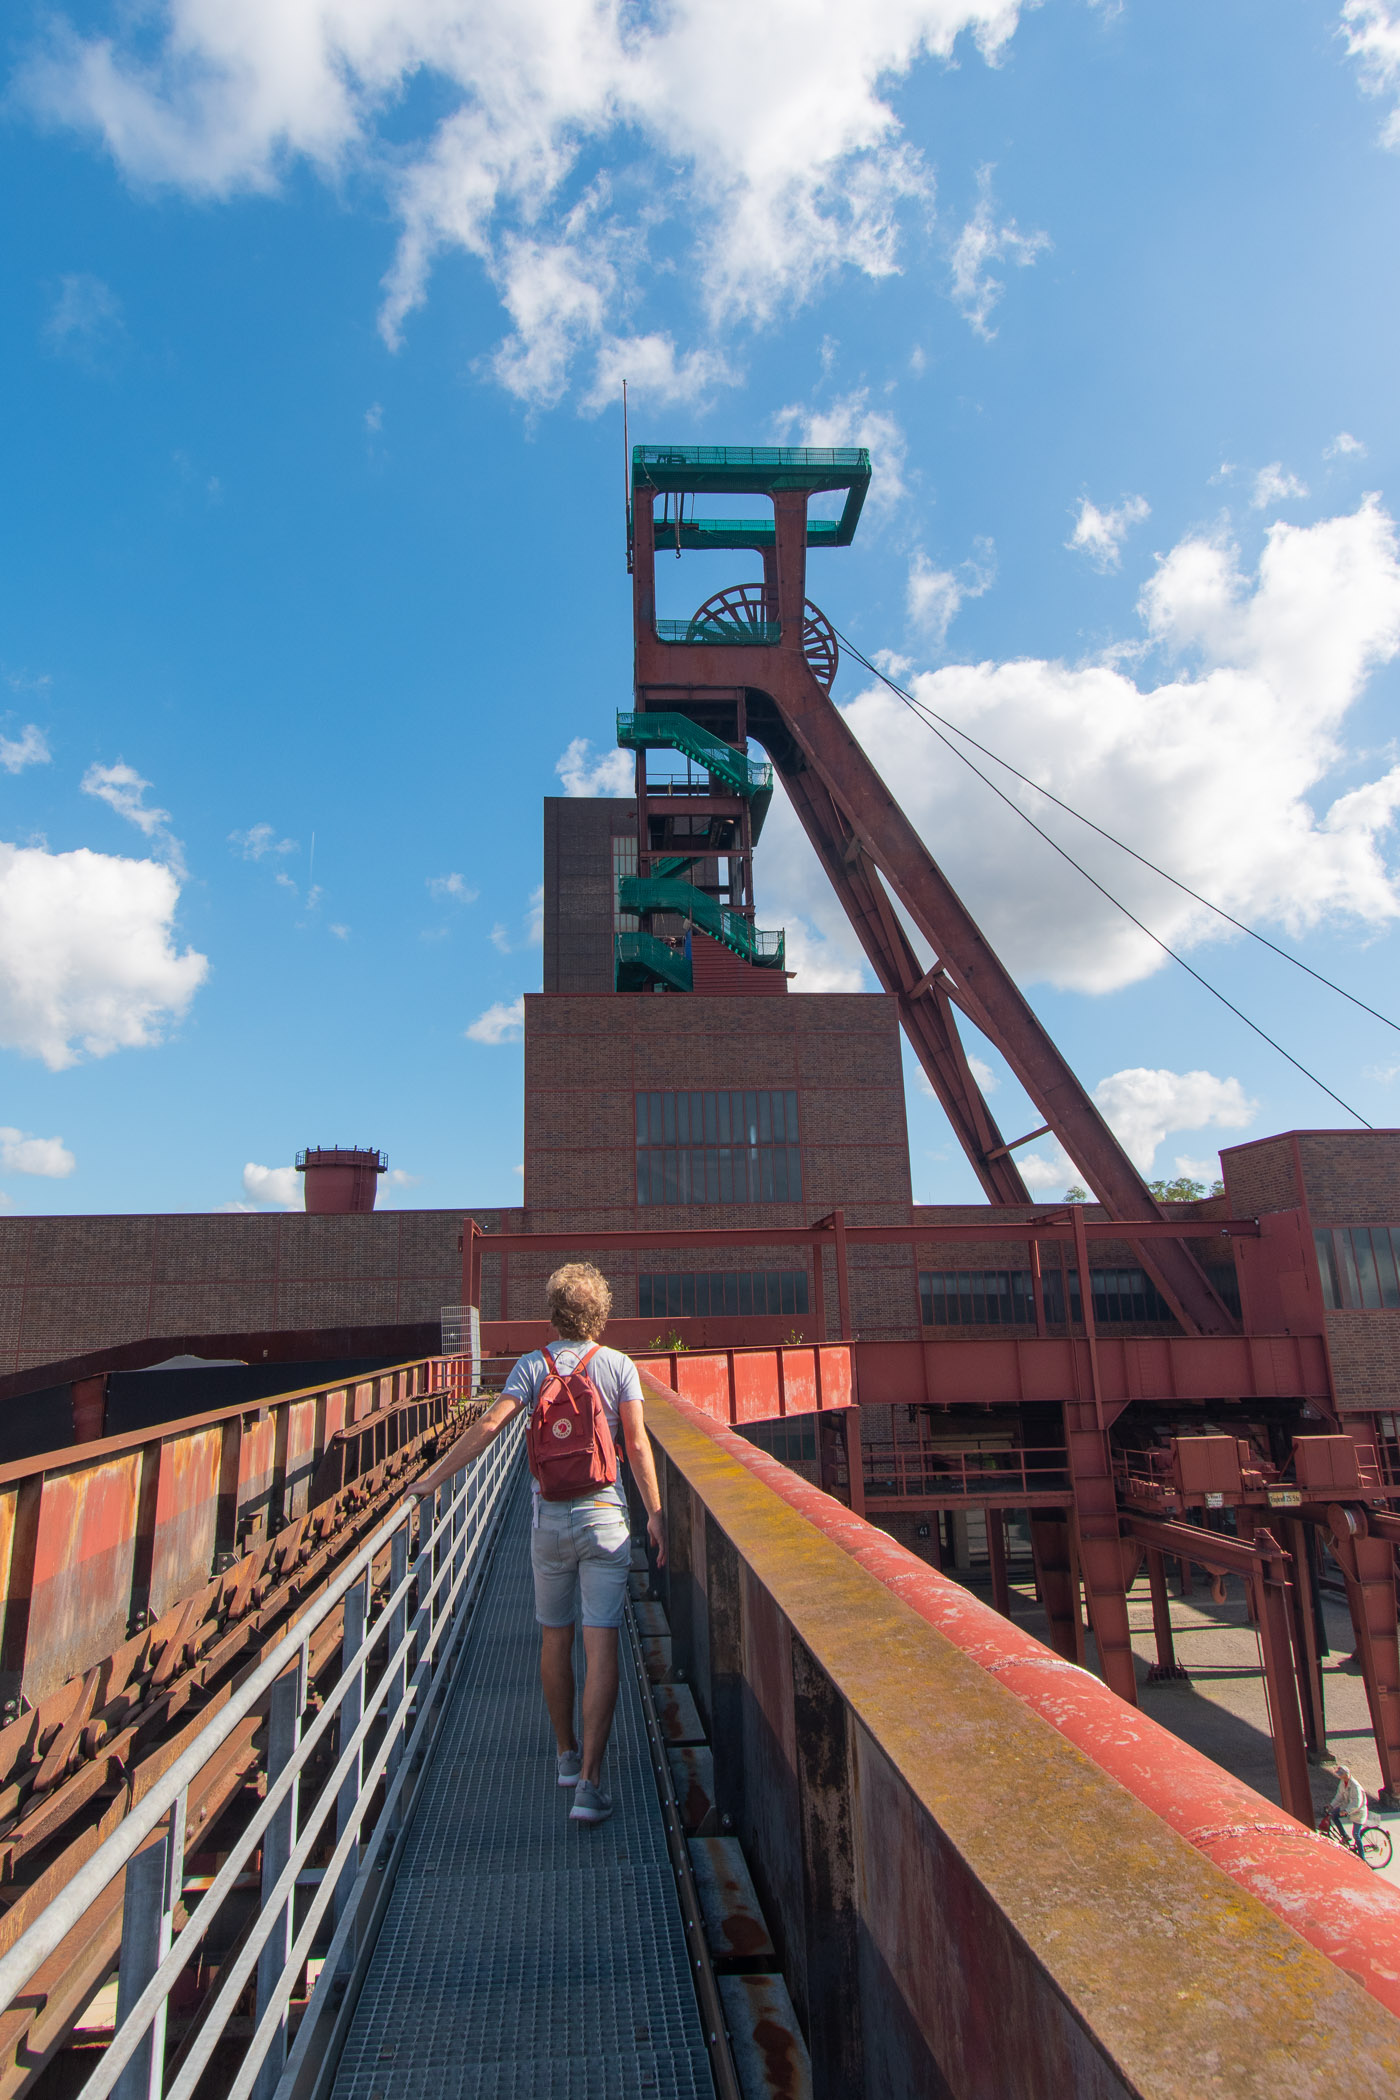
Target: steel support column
(1368,1566)
(1166,1665)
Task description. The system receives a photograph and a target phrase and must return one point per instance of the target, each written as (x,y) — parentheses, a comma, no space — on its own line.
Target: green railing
(642,893)
(724,634)
(666,732)
(640,959)
(848,459)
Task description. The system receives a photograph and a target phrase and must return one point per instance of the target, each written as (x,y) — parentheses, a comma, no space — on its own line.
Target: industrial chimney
(341,1178)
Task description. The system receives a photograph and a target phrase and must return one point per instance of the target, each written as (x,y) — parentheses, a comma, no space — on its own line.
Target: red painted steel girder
(805,731)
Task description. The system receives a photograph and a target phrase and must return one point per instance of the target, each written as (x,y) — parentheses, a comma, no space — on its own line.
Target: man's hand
(656,1532)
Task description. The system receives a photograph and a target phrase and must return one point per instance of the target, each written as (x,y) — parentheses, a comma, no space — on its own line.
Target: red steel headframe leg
(1368,1565)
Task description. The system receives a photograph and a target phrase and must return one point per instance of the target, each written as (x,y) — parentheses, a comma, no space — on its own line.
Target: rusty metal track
(72,1765)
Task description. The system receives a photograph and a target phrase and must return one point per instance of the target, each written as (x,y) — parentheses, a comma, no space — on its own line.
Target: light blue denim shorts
(580,1552)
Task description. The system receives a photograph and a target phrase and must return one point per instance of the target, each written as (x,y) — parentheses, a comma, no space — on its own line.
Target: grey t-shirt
(614,1377)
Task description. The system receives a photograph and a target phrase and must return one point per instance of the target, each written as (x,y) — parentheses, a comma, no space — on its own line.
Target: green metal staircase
(641,960)
(750,777)
(641,893)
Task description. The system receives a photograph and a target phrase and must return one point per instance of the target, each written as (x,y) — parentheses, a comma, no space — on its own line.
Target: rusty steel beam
(927,1021)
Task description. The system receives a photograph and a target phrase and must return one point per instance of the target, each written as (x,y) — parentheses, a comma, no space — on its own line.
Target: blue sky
(312,527)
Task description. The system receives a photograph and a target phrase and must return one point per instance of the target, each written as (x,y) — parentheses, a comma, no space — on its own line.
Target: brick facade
(1337,1178)
(70,1285)
(587,1058)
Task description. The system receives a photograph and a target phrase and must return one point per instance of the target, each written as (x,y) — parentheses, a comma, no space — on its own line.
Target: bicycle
(1367,1840)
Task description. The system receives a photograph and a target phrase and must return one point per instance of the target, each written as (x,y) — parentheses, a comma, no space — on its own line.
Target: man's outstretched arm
(468,1446)
(643,1464)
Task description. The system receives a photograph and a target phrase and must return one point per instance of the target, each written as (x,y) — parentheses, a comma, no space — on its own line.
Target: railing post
(283,1717)
(398,1626)
(143,1931)
(352,1707)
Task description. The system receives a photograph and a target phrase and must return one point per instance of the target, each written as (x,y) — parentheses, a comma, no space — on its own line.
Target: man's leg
(599,1697)
(557,1678)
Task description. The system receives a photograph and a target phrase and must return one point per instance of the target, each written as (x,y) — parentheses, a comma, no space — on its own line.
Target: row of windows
(763,1116)
(1360,1267)
(1004,1297)
(729,1146)
(721,1174)
(722,1291)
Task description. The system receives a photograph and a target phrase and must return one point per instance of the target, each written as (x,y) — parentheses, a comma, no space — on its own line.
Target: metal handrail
(982,1470)
(480,1491)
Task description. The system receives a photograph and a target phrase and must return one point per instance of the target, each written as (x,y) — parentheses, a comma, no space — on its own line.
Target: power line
(922,707)
(917,709)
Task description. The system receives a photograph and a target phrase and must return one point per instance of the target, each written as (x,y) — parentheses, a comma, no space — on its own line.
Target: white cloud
(341,933)
(374,417)
(1100,533)
(29,748)
(1204,1169)
(1272,485)
(22,1154)
(85,320)
(655,375)
(1270,664)
(271,1188)
(984,1075)
(981,244)
(755,149)
(87,956)
(852,421)
(1141,1106)
(402,1180)
(612,773)
(1372,31)
(502,1023)
(935,595)
(122,788)
(1344,446)
(532,930)
(258,841)
(455,886)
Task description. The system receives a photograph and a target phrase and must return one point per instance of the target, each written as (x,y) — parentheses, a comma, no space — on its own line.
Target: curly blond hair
(579,1300)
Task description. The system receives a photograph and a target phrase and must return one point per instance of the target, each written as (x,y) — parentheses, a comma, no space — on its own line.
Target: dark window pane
(711,1121)
(765,1119)
(1366,1271)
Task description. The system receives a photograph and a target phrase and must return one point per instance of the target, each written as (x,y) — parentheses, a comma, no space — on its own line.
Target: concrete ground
(1219,1708)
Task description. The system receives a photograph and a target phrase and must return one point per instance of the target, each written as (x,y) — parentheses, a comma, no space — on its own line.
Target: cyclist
(1349,1804)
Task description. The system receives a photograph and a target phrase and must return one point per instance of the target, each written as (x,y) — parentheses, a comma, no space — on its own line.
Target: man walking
(580,1547)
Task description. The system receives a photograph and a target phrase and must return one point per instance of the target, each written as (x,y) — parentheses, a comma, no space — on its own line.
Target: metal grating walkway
(525,1957)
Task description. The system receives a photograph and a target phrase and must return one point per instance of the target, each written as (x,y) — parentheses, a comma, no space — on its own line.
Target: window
(1003,1297)
(784,1440)
(721,1291)
(1359,1267)
(977,1297)
(624,862)
(718,1148)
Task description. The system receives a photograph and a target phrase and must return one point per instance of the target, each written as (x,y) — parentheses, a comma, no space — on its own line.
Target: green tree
(1184,1189)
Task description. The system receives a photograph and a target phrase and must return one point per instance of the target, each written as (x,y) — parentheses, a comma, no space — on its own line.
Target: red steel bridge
(277,1814)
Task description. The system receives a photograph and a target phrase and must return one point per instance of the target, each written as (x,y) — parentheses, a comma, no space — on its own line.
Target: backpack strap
(586,1358)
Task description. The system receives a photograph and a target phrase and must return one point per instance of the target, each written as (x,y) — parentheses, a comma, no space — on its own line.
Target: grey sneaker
(591,1804)
(570,1764)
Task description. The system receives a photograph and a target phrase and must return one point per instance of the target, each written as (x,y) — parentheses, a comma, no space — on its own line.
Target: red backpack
(569,1443)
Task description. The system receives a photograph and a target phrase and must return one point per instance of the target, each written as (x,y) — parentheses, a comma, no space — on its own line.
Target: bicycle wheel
(1374,1845)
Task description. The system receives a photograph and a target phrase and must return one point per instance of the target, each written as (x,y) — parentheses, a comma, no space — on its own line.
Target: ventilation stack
(341,1178)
